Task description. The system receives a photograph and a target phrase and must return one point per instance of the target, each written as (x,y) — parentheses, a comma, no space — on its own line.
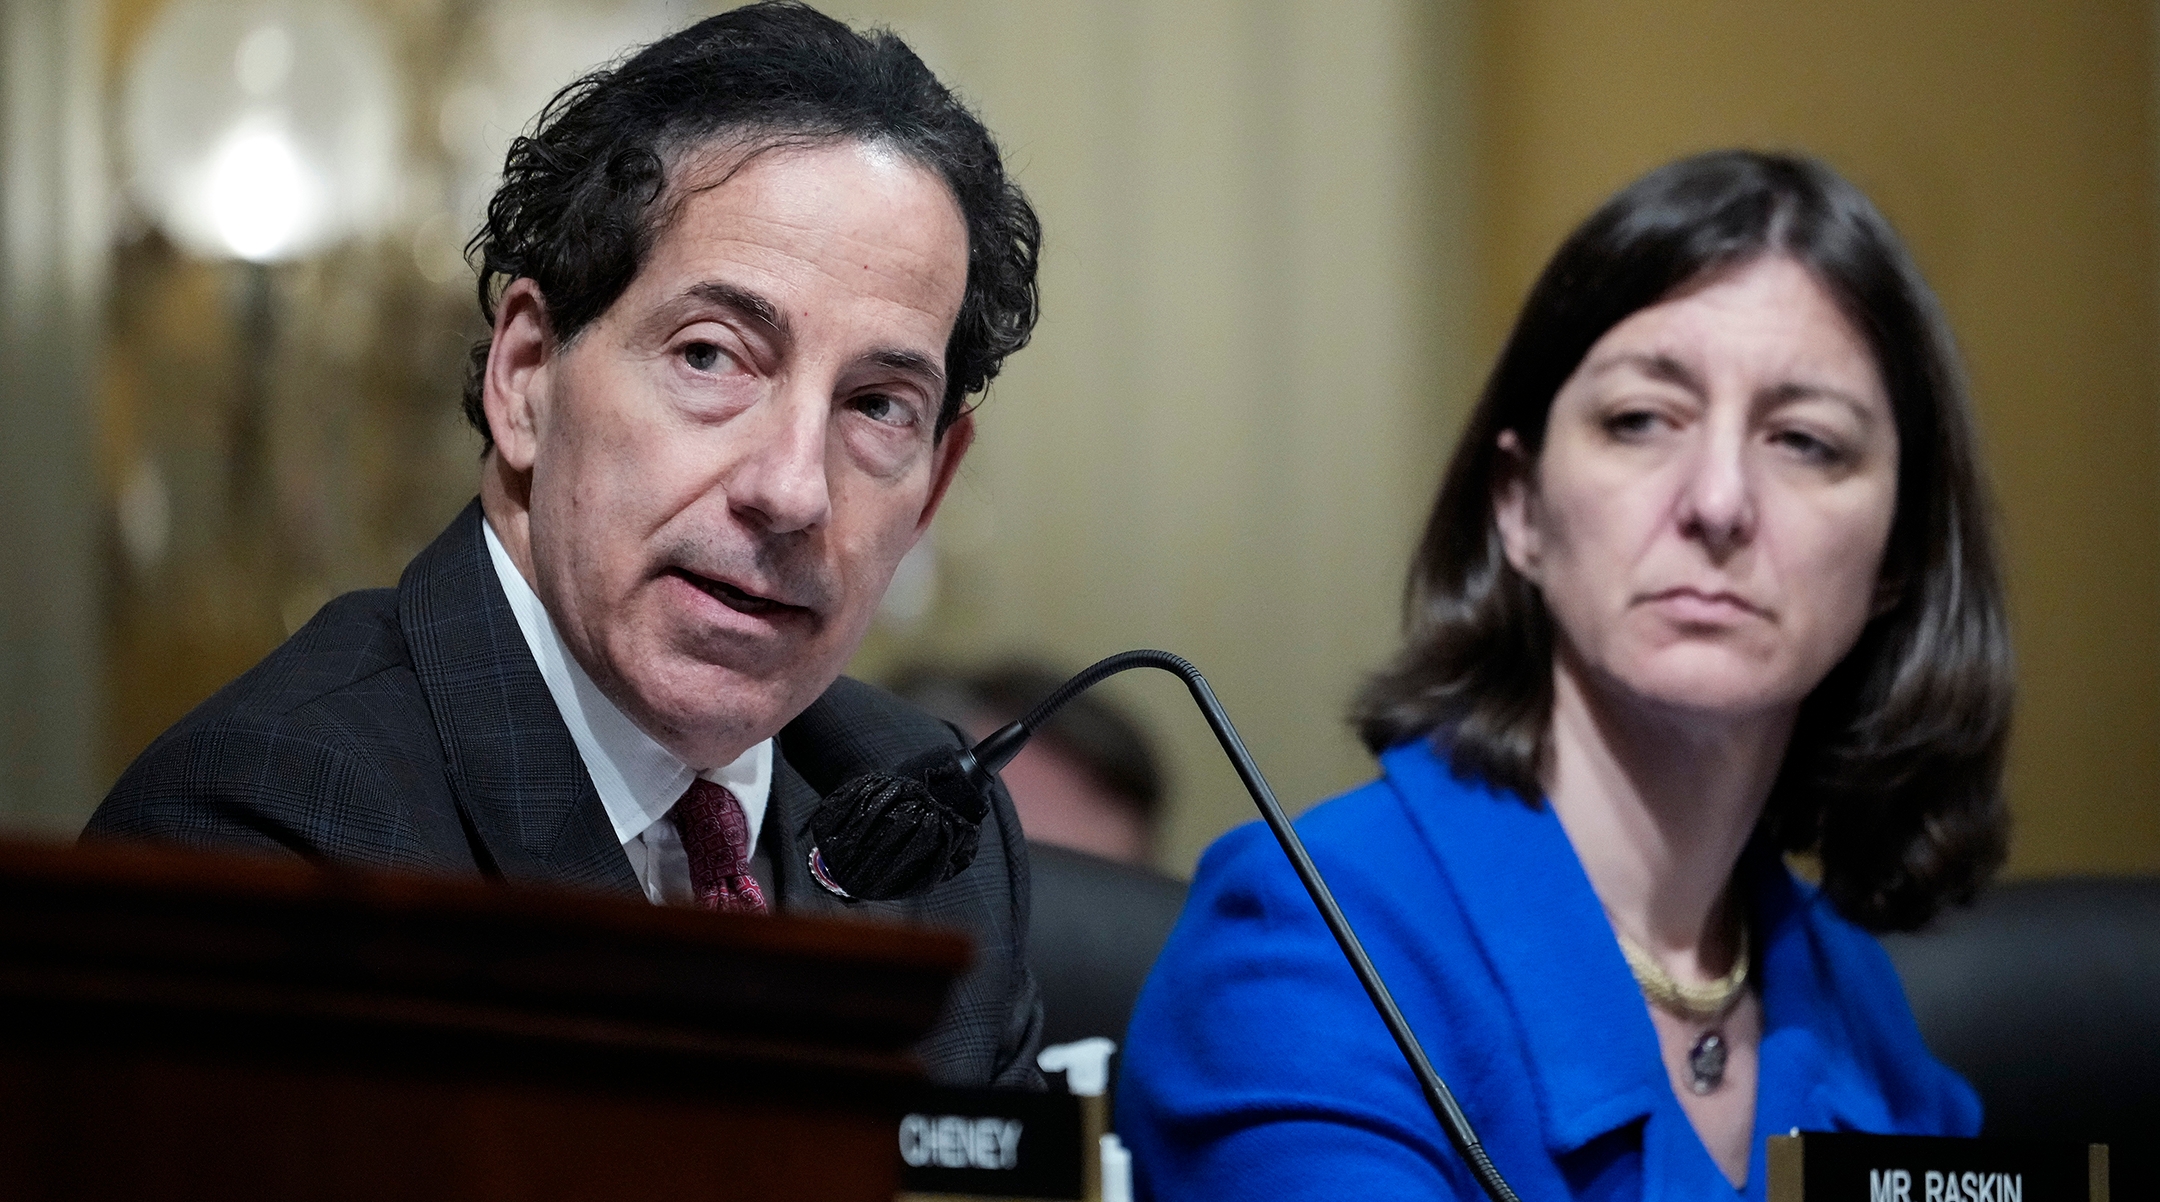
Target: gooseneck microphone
(866,848)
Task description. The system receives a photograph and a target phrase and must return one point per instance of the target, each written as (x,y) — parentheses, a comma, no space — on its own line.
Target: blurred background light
(262,131)
(265,202)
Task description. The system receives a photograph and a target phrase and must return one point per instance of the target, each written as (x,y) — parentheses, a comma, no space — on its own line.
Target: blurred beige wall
(2013,143)
(1248,366)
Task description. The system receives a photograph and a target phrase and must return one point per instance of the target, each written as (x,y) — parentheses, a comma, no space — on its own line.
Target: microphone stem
(1452,1119)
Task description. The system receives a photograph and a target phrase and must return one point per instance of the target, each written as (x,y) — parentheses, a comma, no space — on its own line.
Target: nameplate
(1814,1166)
(990,1143)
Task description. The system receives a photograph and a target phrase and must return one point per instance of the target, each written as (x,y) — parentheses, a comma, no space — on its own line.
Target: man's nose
(1717,498)
(779,482)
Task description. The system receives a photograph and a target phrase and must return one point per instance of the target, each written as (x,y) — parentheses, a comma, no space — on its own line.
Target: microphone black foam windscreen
(885,835)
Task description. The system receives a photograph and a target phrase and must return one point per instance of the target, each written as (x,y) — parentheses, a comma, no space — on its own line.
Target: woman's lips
(1699,606)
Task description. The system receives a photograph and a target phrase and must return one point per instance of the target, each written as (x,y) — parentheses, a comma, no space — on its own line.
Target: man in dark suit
(740,287)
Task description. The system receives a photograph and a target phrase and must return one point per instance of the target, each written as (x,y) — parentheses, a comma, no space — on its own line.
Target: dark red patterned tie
(716,834)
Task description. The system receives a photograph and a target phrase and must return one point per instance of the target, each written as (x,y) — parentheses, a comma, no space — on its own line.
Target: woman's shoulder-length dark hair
(1893,776)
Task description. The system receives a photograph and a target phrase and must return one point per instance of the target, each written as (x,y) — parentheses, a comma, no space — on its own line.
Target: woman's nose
(1717,498)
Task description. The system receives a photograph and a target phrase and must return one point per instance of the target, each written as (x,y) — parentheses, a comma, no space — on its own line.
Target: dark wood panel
(180,1026)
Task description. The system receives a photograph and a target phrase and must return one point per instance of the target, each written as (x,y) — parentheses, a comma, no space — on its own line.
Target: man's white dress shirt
(639,780)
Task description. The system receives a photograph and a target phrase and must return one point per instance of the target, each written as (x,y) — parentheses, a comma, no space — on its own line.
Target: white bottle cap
(1085,1063)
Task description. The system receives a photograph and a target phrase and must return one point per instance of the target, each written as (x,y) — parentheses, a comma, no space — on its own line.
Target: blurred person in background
(1089,781)
(741,286)
(1710,579)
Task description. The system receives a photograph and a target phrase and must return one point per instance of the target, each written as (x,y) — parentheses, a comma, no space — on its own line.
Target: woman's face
(1707,518)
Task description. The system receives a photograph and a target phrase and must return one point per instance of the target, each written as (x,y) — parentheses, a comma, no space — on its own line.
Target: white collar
(639,780)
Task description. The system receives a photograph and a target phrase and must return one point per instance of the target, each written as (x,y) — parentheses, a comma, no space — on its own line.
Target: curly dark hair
(1893,776)
(581,201)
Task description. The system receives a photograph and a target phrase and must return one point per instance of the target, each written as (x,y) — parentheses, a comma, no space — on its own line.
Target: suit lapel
(522,790)
(812,757)
(787,840)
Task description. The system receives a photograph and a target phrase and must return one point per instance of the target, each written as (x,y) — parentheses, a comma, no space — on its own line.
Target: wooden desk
(179,1026)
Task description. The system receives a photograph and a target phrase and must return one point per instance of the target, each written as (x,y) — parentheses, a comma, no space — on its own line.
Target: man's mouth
(737,599)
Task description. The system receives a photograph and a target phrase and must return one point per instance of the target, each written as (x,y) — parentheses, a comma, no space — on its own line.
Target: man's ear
(945,464)
(513,388)
(1514,501)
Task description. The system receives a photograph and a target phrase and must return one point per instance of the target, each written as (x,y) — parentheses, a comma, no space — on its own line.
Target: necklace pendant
(1706,1063)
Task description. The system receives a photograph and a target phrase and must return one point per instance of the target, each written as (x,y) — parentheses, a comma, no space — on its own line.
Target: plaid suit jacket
(410,727)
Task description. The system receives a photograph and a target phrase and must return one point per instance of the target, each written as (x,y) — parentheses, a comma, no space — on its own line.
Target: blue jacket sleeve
(1256,1067)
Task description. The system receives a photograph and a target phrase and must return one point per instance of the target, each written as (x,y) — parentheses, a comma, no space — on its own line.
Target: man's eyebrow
(765,313)
(743,301)
(912,362)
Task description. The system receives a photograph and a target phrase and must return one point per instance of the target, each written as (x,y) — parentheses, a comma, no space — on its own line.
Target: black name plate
(1814,1166)
(991,1143)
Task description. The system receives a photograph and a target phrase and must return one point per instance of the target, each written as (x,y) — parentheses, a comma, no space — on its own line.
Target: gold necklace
(1697,1003)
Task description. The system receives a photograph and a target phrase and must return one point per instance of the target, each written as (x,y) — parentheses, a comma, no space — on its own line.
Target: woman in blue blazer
(1710,580)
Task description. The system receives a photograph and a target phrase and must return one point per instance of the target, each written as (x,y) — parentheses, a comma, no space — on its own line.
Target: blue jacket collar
(1803,1083)
(1592,1052)
(1543,934)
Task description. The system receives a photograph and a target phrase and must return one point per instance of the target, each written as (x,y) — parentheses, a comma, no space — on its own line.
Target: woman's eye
(1808,447)
(704,356)
(1631,423)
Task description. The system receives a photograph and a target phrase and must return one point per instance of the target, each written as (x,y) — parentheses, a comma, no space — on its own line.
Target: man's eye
(704,356)
(881,408)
